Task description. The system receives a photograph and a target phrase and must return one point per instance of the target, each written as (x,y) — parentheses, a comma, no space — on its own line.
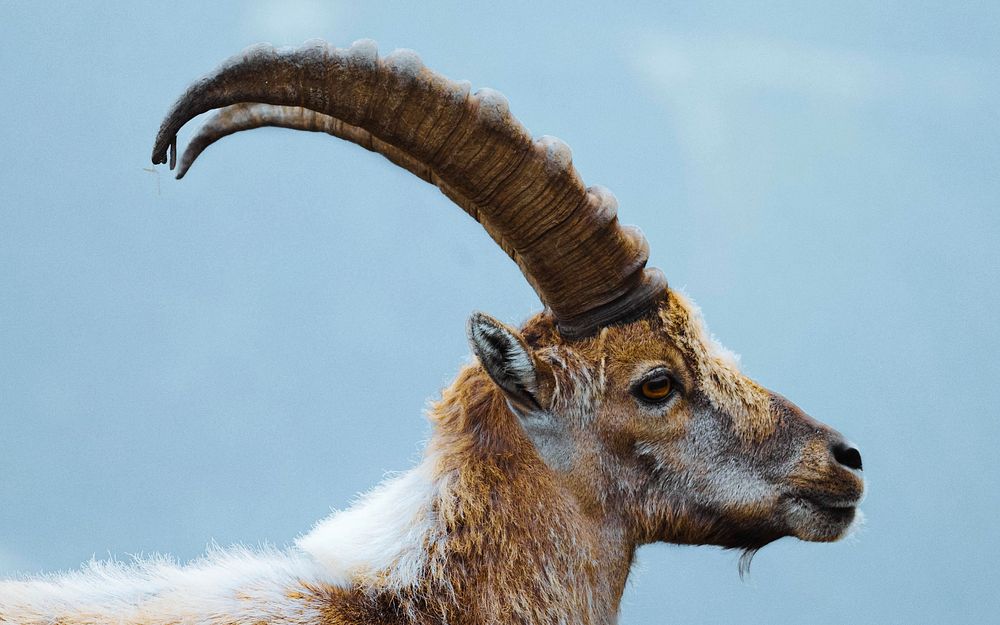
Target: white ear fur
(506,358)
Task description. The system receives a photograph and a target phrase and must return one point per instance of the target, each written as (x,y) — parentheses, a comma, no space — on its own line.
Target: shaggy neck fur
(479,532)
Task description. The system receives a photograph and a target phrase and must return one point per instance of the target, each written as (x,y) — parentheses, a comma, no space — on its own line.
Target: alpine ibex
(609,420)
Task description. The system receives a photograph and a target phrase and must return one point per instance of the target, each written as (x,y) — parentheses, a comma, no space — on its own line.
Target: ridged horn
(586,268)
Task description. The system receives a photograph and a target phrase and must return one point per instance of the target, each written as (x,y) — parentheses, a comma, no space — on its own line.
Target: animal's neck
(522,548)
(496,542)
(479,533)
(516,536)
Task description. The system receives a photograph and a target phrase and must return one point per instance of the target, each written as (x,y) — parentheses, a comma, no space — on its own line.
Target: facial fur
(721,461)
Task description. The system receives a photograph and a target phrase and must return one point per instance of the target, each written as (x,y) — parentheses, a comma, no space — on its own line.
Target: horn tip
(185,165)
(160,147)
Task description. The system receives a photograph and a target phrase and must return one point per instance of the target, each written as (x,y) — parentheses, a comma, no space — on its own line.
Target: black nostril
(847,455)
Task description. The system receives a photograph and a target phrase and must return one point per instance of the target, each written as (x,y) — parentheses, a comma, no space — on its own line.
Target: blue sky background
(228,357)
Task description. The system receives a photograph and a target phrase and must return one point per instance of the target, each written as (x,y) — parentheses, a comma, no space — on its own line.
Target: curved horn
(247,116)
(586,268)
(250,115)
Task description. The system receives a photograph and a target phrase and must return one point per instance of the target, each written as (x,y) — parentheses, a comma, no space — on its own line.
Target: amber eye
(657,388)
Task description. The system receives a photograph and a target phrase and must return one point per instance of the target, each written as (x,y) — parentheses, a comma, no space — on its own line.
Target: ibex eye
(656,389)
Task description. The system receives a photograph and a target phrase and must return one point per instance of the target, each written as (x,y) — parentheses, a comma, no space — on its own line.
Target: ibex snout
(825,485)
(842,451)
(846,454)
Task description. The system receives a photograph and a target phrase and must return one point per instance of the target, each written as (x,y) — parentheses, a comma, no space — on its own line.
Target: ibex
(609,420)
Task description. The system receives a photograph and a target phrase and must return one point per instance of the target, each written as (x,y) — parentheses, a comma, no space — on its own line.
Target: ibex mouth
(819,519)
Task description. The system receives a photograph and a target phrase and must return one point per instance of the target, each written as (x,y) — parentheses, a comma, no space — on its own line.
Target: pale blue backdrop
(228,357)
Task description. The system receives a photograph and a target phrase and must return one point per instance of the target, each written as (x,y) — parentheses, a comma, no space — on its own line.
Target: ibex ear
(507,359)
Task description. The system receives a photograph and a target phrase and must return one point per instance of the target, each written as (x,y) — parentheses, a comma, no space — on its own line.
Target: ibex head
(651,425)
(617,389)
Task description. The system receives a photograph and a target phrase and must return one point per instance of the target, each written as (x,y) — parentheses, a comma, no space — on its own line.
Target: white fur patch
(223,588)
(384,536)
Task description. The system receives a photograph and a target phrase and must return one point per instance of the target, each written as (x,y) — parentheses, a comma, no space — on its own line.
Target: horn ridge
(586,268)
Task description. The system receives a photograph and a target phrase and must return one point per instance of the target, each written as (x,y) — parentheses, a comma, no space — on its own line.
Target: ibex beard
(610,420)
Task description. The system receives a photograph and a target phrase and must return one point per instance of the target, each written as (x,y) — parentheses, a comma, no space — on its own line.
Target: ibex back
(609,420)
